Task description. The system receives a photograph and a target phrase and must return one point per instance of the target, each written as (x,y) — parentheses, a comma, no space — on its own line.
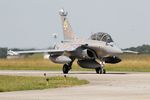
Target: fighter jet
(90,53)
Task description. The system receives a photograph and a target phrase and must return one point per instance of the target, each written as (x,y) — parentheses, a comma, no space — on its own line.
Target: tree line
(143,49)
(3,52)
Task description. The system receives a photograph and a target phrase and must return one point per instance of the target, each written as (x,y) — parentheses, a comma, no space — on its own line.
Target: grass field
(16,83)
(36,62)
(137,63)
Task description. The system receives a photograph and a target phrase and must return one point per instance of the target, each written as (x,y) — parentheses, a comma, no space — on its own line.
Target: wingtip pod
(62,12)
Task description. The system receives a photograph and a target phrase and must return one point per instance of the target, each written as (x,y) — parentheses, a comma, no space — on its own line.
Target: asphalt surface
(111,86)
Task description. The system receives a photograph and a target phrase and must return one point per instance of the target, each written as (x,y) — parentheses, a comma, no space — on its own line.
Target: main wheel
(65,69)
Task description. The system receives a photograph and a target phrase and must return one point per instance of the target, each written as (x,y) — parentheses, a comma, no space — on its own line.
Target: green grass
(35,62)
(17,83)
(139,63)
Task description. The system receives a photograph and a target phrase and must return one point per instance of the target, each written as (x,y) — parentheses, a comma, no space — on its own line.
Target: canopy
(100,36)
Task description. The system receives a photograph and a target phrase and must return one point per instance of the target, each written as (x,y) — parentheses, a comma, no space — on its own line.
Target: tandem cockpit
(100,36)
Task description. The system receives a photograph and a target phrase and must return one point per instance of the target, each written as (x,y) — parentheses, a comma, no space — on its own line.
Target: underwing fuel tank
(60,59)
(88,63)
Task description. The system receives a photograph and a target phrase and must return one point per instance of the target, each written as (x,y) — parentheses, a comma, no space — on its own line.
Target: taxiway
(111,86)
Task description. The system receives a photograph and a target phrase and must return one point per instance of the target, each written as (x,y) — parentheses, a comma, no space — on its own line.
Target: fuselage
(100,48)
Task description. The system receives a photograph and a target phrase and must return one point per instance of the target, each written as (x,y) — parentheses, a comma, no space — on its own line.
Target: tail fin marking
(67,30)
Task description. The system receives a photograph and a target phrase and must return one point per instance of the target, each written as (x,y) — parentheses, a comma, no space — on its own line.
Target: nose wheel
(100,70)
(104,71)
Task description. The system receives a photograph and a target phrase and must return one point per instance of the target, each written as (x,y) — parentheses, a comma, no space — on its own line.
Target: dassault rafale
(90,53)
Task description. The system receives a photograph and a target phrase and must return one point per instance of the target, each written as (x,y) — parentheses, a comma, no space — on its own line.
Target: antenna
(54,38)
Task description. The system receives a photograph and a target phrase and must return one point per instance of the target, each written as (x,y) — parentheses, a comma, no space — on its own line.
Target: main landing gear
(66,68)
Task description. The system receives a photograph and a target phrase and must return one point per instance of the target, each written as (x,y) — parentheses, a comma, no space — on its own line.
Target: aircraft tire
(104,71)
(65,69)
(97,70)
(100,70)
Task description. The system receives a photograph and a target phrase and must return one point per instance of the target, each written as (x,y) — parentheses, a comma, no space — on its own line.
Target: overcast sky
(31,23)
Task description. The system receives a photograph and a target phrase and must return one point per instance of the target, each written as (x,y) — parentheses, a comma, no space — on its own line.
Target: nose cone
(114,50)
(118,50)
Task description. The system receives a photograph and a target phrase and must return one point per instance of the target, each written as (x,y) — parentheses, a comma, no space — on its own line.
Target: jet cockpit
(100,36)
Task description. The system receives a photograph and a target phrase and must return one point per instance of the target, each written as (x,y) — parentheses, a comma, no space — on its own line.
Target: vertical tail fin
(67,30)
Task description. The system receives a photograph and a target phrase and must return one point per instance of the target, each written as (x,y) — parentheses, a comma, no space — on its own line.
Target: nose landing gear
(101,70)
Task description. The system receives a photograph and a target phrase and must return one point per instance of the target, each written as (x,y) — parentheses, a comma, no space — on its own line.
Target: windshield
(100,36)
